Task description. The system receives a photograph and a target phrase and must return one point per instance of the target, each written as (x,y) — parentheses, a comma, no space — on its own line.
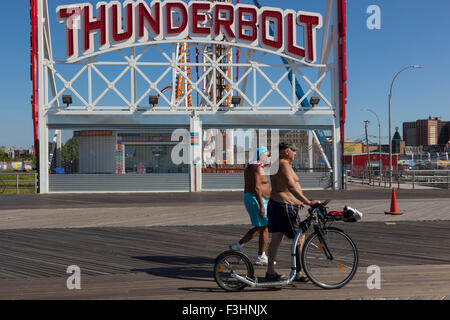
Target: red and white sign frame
(46,97)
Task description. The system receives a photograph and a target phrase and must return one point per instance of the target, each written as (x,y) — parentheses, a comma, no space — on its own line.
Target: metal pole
(379,142)
(42,116)
(379,151)
(390,141)
(17,183)
(413,178)
(366,123)
(390,138)
(310,150)
(346,179)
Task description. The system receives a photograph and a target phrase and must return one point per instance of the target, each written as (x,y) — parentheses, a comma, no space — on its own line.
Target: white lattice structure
(190,68)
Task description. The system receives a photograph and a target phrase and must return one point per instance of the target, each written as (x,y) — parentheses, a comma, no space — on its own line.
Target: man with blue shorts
(256,198)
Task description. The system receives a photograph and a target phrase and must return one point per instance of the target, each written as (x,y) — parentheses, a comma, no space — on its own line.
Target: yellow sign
(353,147)
(443,163)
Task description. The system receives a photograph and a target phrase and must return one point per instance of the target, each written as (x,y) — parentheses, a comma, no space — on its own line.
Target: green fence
(18,183)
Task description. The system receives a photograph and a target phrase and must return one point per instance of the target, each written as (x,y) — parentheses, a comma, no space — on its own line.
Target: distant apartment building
(299,138)
(14,153)
(444,133)
(11,153)
(432,131)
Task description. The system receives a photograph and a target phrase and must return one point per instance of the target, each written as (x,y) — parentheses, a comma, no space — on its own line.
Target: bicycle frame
(319,219)
(310,220)
(254,282)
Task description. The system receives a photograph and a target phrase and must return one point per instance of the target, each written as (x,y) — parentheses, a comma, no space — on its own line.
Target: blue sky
(412,32)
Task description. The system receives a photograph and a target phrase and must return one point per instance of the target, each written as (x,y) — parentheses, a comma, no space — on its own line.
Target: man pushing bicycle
(286,200)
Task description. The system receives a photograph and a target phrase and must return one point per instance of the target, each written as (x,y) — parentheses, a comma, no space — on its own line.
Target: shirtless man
(256,197)
(286,199)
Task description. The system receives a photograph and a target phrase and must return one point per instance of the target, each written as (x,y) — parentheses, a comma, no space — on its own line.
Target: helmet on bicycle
(351,214)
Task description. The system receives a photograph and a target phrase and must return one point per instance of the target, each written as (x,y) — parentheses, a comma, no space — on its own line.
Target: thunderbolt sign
(138,22)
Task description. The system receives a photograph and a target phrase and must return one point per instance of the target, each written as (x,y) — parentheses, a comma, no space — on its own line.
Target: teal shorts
(252,206)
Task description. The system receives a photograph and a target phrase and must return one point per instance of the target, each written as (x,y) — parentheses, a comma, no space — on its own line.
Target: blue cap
(260,151)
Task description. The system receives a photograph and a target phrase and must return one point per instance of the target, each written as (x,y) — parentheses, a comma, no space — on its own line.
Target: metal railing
(439,178)
(407,179)
(18,181)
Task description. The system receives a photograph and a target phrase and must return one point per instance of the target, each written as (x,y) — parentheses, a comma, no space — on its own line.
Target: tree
(69,150)
(29,157)
(3,156)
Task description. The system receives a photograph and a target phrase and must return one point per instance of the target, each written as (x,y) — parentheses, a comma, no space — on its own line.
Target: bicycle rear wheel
(232,262)
(332,269)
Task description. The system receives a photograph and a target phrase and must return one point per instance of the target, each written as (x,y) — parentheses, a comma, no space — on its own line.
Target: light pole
(379,139)
(390,137)
(366,124)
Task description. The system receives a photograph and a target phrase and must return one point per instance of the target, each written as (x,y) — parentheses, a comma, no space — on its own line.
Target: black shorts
(283,217)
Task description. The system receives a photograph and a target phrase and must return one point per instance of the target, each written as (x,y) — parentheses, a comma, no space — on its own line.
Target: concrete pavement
(208,208)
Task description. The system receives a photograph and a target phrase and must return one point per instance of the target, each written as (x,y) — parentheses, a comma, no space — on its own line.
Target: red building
(359,161)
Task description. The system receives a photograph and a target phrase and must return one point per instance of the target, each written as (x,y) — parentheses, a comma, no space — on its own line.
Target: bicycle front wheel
(229,263)
(330,262)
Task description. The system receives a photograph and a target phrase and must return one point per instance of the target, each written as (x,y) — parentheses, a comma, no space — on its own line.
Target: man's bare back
(256,182)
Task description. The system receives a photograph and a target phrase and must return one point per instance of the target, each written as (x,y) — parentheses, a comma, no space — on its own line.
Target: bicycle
(329,257)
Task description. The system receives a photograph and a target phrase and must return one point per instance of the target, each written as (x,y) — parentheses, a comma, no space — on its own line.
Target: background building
(309,154)
(443,132)
(432,131)
(14,153)
(397,145)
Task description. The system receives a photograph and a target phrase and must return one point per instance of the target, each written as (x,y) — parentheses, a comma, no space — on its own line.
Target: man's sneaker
(275,277)
(261,260)
(236,247)
(299,277)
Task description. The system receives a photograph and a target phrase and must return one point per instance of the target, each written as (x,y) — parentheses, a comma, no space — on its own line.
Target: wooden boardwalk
(114,200)
(176,262)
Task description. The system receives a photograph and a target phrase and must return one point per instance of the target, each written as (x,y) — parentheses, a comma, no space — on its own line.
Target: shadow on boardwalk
(185,268)
(197,268)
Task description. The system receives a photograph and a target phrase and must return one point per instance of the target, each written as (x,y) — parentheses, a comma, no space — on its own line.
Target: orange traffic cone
(394,209)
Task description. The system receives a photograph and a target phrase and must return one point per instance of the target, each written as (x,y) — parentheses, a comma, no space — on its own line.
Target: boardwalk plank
(177,251)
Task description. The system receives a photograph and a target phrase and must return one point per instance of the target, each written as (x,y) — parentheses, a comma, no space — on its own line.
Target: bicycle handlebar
(318,205)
